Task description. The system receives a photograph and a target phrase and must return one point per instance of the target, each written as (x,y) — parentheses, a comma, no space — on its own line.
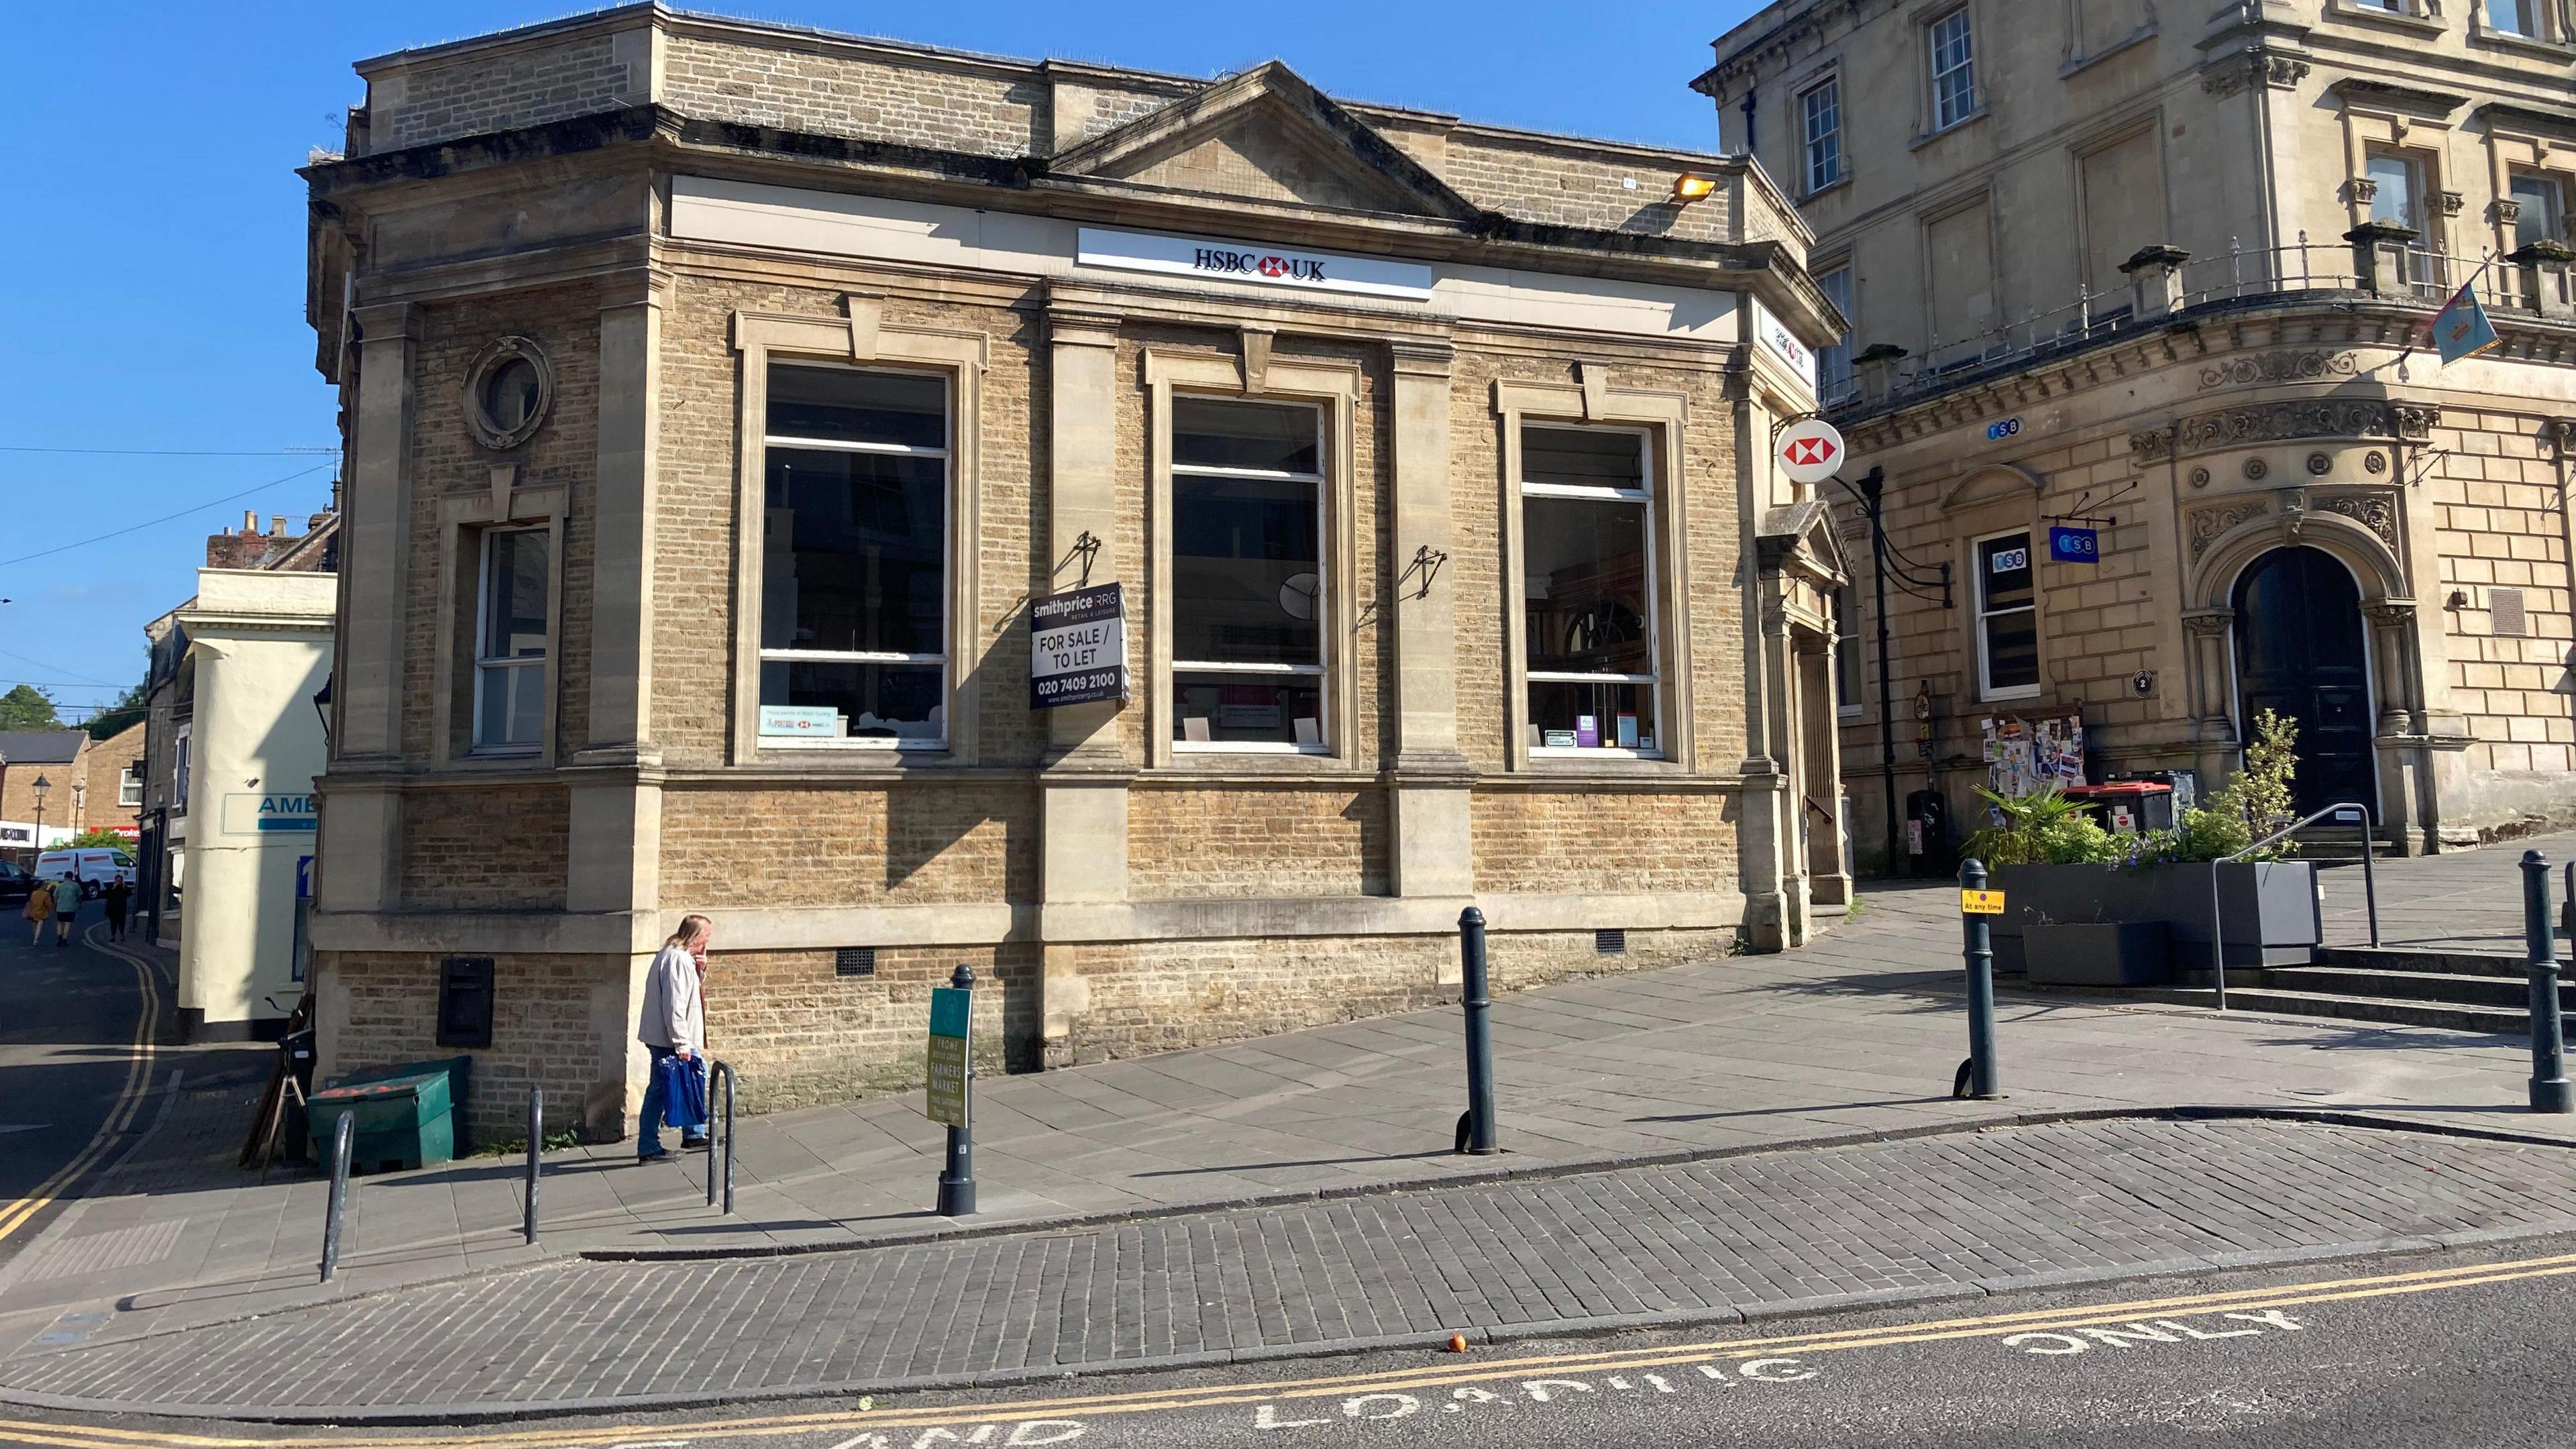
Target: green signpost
(950,1097)
(951,1019)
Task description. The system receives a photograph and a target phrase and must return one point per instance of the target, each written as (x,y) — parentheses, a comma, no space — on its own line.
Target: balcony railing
(2389,268)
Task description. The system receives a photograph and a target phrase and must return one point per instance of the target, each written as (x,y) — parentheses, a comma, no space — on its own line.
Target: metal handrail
(2369,878)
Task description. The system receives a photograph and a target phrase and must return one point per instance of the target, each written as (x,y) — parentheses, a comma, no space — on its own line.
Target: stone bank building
(721,398)
(2166,274)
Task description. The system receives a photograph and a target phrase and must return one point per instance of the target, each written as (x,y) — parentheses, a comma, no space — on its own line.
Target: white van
(97,867)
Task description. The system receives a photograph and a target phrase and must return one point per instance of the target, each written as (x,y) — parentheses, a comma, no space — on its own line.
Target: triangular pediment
(1802,534)
(1265,135)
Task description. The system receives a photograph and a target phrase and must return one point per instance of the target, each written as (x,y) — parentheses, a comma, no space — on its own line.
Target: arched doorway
(2301,651)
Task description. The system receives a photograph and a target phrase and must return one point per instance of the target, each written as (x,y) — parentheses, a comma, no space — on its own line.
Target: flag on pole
(2461,328)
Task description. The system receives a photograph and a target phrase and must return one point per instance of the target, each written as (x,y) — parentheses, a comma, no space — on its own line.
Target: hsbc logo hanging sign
(1810,452)
(1258,263)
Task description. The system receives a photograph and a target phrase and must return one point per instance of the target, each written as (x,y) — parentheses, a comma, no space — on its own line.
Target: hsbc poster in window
(1078,647)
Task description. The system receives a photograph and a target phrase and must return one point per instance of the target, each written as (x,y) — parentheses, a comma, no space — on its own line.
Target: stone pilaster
(1429,799)
(1083,789)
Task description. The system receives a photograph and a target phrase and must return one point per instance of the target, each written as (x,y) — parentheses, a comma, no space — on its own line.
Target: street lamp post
(42,787)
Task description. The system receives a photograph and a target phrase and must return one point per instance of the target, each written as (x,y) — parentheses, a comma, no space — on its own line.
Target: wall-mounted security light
(1688,188)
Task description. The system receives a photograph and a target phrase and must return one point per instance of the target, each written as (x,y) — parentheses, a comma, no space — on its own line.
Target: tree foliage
(28,708)
(98,838)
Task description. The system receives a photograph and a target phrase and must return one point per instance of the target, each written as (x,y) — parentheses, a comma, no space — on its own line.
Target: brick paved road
(1735,1234)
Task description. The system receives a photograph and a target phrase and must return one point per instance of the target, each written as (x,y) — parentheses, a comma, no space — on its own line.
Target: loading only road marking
(1383,1405)
(2137,1334)
(933,1425)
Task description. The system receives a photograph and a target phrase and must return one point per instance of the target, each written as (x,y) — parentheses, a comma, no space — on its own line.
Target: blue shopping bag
(684,1092)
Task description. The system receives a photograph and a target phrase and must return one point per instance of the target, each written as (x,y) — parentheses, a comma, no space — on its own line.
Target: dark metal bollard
(1476,1129)
(2549,1086)
(1976,1077)
(957,1179)
(536,1144)
(341,1134)
(720,1142)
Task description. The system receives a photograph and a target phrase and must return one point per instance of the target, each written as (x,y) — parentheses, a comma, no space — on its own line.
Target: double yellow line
(1443,1373)
(138,1082)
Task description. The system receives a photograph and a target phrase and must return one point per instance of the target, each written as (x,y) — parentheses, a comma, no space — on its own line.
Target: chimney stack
(250,520)
(277,525)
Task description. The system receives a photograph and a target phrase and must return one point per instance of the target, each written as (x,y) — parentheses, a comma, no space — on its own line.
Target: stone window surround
(1663,416)
(1332,387)
(2370,131)
(2512,153)
(1927,123)
(861,336)
(463,519)
(1826,77)
(2549,40)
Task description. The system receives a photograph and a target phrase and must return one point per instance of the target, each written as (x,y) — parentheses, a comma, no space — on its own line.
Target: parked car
(95,867)
(16,884)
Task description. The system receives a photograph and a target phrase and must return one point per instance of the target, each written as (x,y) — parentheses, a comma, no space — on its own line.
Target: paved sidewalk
(1750,1236)
(1853,1038)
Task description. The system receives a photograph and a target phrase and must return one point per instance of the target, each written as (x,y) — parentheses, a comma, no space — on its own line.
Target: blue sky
(155,300)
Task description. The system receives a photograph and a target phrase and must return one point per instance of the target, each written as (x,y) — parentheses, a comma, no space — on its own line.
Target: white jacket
(675,1013)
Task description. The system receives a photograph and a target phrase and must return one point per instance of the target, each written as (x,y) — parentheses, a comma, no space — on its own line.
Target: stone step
(2396,1011)
(2395,958)
(2457,989)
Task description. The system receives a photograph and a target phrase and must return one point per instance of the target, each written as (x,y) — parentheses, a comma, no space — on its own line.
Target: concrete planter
(2267,910)
(2132,953)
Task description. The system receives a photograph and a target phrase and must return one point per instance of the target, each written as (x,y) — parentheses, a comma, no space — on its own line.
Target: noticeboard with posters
(2026,755)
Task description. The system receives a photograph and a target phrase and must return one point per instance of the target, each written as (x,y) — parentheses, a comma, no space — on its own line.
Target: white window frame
(1847,651)
(485,664)
(1823,162)
(1965,66)
(1644,493)
(1834,363)
(129,787)
(179,768)
(2534,26)
(1321,670)
(947,456)
(863,337)
(1986,689)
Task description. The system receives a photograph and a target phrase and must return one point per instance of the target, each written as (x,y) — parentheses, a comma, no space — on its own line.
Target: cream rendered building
(2175,264)
(722,395)
(229,813)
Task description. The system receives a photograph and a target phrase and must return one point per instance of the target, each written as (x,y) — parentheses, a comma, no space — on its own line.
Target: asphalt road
(2454,1350)
(78,1027)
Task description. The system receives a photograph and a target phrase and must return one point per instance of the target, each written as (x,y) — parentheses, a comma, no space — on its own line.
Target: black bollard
(340,1147)
(536,1144)
(2549,1087)
(957,1179)
(1476,1130)
(725,1070)
(1976,1076)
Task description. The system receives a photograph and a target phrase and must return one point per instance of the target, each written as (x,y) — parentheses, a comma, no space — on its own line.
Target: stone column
(1082,849)
(2405,764)
(361,829)
(615,787)
(2215,725)
(1769,829)
(1428,796)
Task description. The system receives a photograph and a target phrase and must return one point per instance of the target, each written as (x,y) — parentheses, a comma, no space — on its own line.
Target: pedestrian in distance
(116,897)
(67,902)
(674,1032)
(38,910)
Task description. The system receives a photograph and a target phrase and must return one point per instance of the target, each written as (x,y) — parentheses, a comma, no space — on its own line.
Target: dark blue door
(2301,651)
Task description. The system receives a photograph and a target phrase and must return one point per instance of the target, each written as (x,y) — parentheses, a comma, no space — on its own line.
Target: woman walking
(39,909)
(674,1031)
(116,897)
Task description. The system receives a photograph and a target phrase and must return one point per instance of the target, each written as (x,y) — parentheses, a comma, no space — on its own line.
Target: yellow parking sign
(1981,903)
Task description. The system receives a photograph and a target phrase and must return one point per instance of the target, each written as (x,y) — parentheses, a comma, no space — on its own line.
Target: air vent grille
(1610,943)
(855,961)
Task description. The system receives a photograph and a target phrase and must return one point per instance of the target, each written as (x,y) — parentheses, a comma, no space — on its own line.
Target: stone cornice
(1768,269)
(2230,357)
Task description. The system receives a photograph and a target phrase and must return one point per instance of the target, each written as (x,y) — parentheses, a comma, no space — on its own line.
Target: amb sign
(252,814)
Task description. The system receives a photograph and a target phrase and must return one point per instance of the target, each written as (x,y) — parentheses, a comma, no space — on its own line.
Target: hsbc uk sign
(1258,263)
